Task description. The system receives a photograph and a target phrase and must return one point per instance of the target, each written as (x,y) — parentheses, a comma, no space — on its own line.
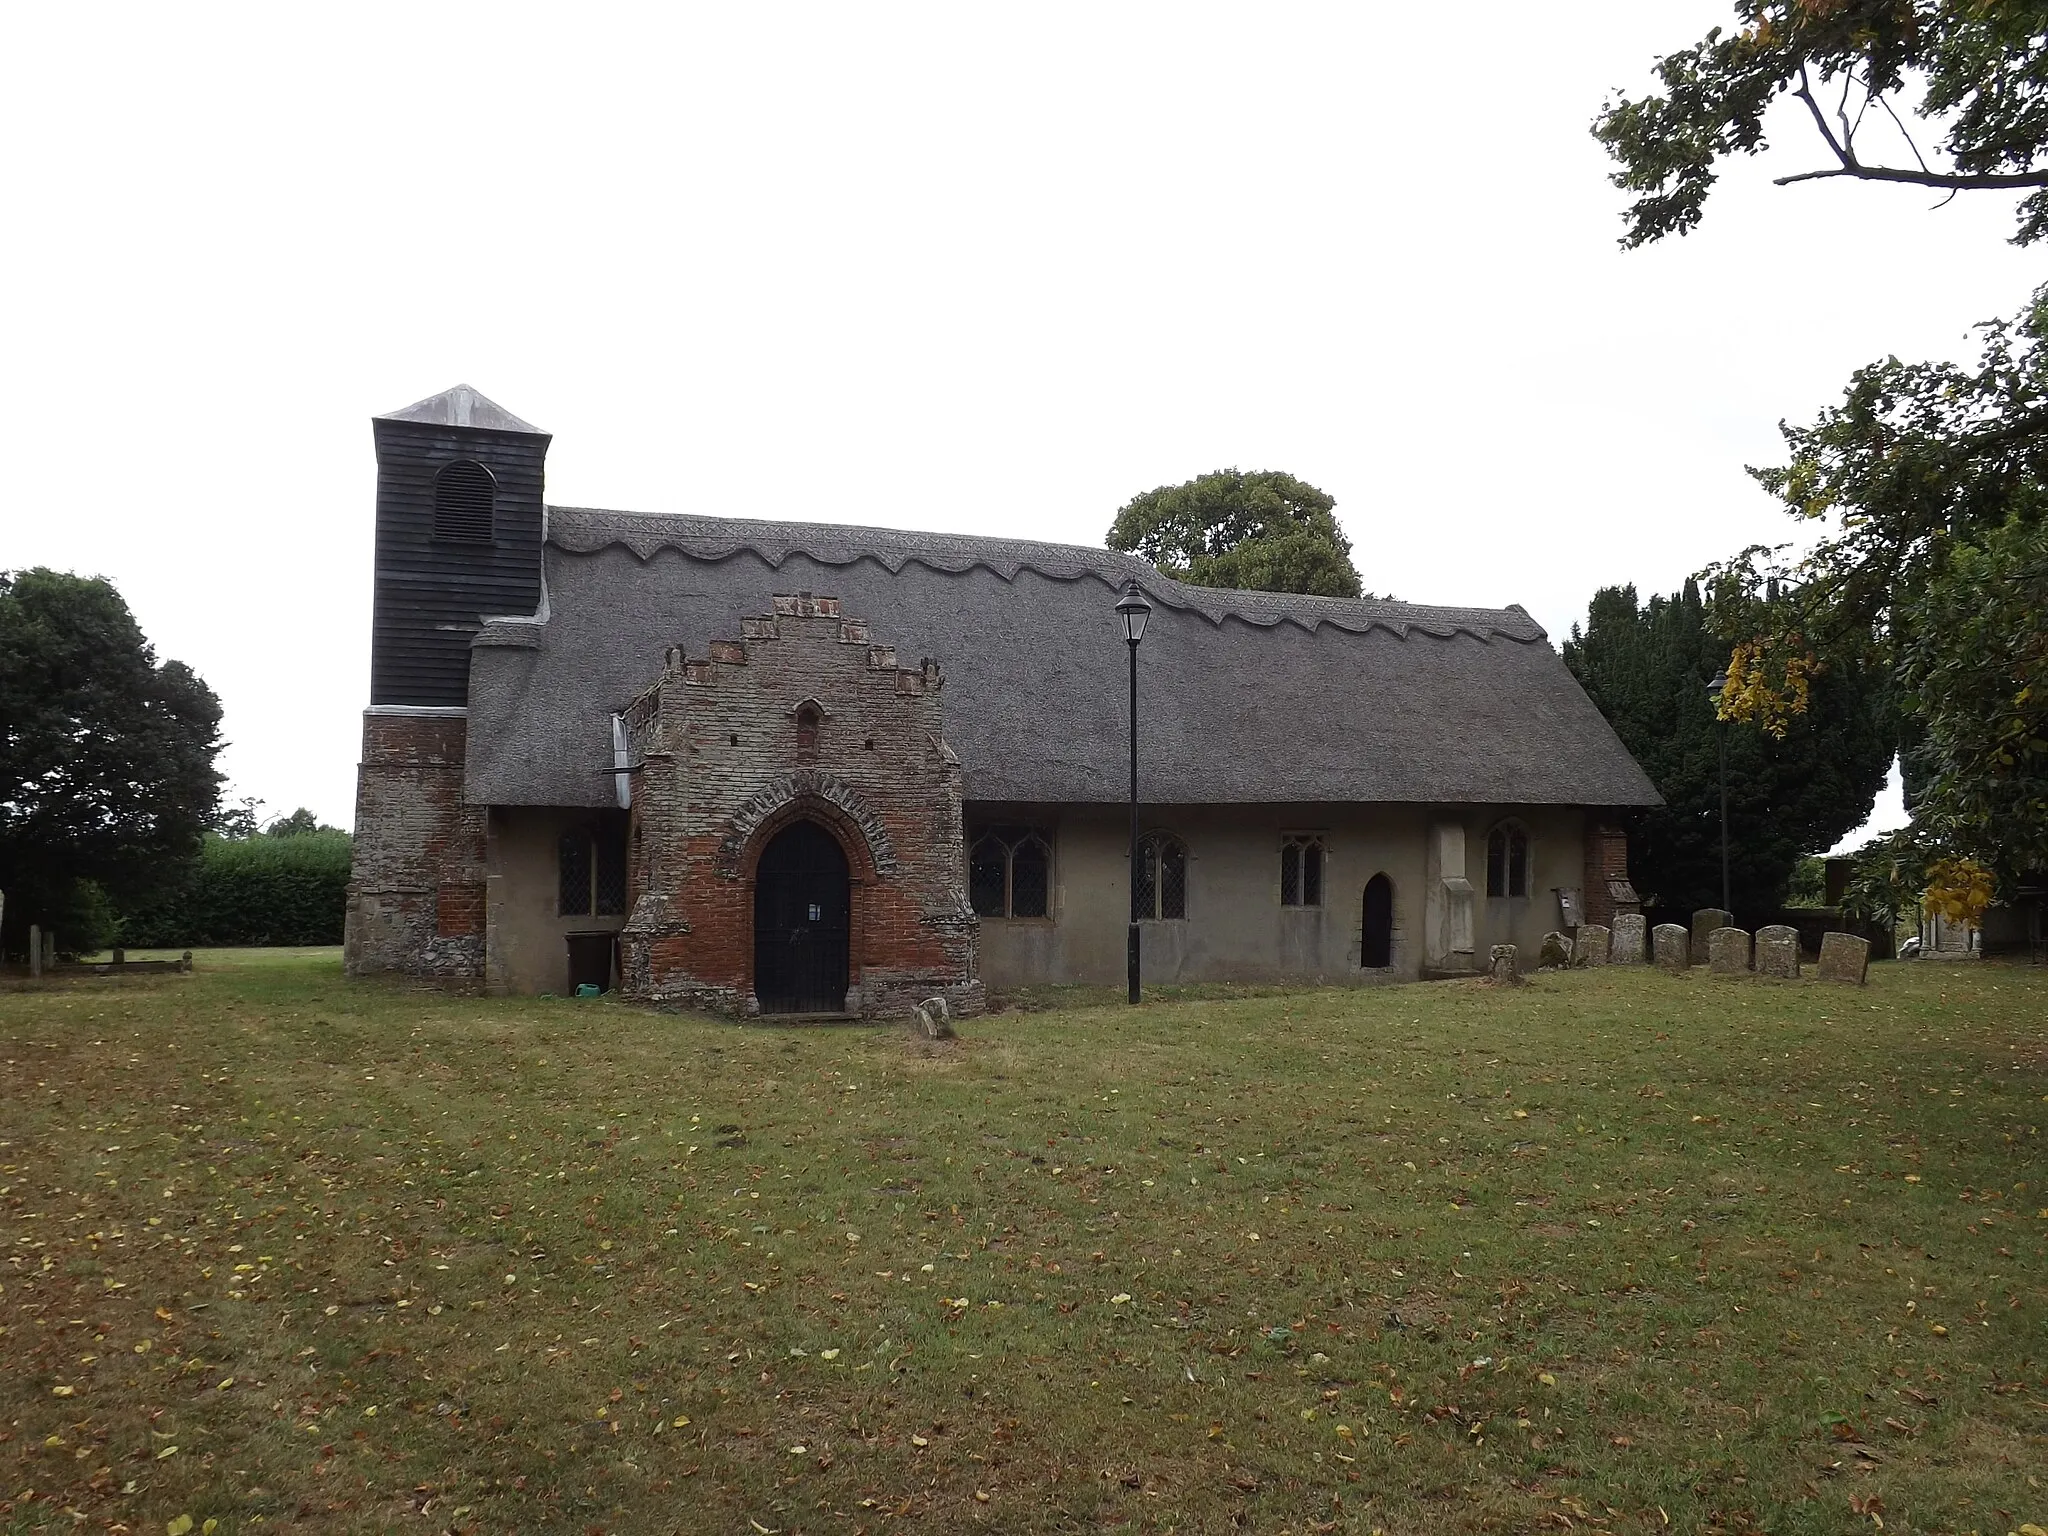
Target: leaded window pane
(1290,875)
(1144,880)
(1030,878)
(1497,864)
(1518,864)
(611,869)
(1312,875)
(987,877)
(573,863)
(1173,878)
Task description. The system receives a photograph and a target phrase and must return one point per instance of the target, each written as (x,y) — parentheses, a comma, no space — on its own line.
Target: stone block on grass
(1672,947)
(1845,957)
(1728,952)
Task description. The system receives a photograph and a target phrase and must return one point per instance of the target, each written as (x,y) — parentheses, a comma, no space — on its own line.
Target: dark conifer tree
(1647,667)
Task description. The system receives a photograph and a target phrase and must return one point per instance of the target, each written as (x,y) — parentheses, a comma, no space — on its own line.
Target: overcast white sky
(979,268)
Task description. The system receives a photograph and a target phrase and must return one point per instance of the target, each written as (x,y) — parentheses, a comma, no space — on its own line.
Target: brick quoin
(718,771)
(416,884)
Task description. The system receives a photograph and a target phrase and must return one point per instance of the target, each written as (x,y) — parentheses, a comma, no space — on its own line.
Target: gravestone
(934,1019)
(1704,922)
(1777,951)
(1728,952)
(1593,944)
(35,950)
(1556,953)
(1501,964)
(1631,931)
(1845,957)
(1672,947)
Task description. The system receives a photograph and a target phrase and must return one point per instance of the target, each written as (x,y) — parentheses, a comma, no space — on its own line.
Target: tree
(299,824)
(1265,530)
(1932,480)
(1980,72)
(239,817)
(1646,666)
(106,756)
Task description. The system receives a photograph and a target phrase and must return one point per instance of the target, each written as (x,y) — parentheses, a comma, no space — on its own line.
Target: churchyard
(1612,1250)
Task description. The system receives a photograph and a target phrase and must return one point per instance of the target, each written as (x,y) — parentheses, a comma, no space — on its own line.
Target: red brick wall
(720,772)
(1606,859)
(416,888)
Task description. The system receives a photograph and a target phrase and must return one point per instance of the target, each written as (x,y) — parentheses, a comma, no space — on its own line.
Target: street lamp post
(1714,690)
(1132,608)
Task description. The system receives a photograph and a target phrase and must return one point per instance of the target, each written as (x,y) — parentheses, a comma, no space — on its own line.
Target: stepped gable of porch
(803,717)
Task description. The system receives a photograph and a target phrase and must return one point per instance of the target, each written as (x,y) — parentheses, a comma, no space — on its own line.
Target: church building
(812,769)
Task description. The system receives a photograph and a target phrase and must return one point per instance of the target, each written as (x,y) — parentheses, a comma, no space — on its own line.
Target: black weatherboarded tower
(458,539)
(459,529)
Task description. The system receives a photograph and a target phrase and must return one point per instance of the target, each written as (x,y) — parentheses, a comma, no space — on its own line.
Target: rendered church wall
(1237,928)
(529,938)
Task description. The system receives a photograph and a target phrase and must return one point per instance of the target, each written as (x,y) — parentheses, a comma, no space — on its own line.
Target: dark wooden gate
(802,920)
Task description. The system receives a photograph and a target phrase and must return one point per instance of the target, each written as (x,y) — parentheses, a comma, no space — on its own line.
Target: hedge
(251,891)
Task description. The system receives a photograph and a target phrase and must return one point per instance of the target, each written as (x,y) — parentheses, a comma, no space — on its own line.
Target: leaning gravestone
(1728,952)
(1593,944)
(1501,964)
(1845,957)
(934,1019)
(1777,951)
(1672,946)
(1631,930)
(1556,953)
(1704,922)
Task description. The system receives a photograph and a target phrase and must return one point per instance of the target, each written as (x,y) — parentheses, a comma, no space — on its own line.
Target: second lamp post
(1133,610)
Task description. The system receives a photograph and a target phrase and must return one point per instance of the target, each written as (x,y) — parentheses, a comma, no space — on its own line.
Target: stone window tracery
(1160,888)
(1301,869)
(1009,872)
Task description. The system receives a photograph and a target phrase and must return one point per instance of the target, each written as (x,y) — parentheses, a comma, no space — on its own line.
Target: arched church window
(1301,869)
(1507,860)
(1159,888)
(465,503)
(1009,872)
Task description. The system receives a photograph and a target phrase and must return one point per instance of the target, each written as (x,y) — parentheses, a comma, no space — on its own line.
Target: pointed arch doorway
(1376,933)
(803,909)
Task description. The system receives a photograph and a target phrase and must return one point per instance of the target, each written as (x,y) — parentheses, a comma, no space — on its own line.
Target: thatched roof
(1244,696)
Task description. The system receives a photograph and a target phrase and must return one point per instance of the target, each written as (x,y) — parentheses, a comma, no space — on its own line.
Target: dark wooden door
(1376,941)
(802,920)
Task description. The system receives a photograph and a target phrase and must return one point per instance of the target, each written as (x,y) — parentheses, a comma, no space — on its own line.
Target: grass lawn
(1615,1251)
